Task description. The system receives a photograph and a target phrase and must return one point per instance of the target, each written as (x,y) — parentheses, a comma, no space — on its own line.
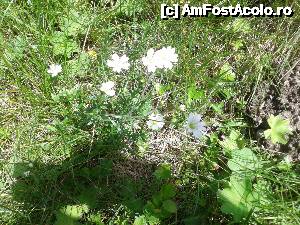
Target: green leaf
(240,25)
(62,45)
(170,206)
(73,23)
(141,220)
(95,219)
(80,65)
(75,211)
(62,219)
(89,197)
(233,142)
(194,94)
(70,214)
(243,160)
(238,198)
(168,191)
(226,72)
(163,172)
(279,129)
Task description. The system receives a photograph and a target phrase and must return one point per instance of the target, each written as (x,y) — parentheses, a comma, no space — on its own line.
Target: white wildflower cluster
(164,58)
(118,63)
(54,69)
(108,88)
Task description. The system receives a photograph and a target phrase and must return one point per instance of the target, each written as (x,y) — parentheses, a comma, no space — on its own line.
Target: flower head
(182,107)
(163,58)
(118,63)
(195,125)
(156,121)
(108,88)
(54,69)
(167,57)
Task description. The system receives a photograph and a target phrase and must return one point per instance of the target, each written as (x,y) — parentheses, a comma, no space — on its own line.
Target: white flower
(156,121)
(26,173)
(54,69)
(161,59)
(182,107)
(195,125)
(108,88)
(118,63)
(166,57)
(149,61)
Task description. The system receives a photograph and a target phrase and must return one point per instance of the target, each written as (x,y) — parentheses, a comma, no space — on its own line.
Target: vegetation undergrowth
(110,115)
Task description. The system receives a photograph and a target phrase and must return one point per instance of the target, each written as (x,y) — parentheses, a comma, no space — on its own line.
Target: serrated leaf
(141,220)
(170,206)
(279,129)
(75,211)
(62,45)
(73,23)
(243,160)
(238,198)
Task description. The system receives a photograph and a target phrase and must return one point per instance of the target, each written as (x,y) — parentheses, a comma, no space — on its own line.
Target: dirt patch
(282,97)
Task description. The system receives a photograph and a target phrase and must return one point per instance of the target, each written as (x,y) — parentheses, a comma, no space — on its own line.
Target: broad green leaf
(279,129)
(243,160)
(62,219)
(168,191)
(170,206)
(163,172)
(95,219)
(238,198)
(70,214)
(80,65)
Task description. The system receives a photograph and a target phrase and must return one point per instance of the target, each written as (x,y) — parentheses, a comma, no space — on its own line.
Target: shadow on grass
(90,181)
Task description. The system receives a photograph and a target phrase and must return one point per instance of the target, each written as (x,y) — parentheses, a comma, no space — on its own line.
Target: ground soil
(280,97)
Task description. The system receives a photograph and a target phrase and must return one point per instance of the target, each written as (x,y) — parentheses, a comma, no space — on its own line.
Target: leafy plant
(70,214)
(238,198)
(73,23)
(63,45)
(162,204)
(243,161)
(233,142)
(163,172)
(226,72)
(279,129)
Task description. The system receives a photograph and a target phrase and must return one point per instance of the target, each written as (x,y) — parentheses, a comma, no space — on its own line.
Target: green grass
(85,156)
